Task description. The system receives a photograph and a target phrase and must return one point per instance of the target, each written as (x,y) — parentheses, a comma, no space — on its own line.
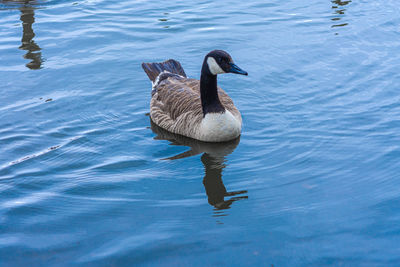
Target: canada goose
(193,108)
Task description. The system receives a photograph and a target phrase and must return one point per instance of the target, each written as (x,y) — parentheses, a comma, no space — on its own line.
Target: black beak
(235,69)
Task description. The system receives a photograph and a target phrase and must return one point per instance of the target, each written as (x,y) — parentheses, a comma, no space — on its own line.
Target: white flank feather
(219,127)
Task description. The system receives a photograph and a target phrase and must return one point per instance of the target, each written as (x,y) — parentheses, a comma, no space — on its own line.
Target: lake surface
(87,180)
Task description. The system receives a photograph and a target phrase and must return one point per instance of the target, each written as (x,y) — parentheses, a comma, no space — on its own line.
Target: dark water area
(87,180)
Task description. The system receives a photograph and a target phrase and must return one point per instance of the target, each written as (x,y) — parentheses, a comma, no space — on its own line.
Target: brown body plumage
(176,106)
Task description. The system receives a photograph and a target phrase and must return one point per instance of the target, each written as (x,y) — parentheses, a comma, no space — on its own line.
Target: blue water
(86,180)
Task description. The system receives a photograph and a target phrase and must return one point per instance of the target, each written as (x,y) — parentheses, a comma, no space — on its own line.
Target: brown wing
(176,105)
(179,96)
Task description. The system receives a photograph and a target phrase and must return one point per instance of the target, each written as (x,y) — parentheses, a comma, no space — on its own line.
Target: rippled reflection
(28,44)
(164,20)
(337,6)
(214,161)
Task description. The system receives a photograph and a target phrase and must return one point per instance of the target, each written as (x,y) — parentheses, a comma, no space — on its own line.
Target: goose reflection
(339,12)
(213,159)
(27,43)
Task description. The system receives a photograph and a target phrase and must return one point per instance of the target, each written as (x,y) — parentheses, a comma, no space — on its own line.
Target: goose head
(219,62)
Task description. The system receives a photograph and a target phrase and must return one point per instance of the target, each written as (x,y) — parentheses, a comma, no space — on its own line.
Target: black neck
(209,92)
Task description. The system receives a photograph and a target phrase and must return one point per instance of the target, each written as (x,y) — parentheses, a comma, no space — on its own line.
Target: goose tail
(153,70)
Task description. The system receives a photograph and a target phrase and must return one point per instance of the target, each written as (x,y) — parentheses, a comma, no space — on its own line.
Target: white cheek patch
(213,66)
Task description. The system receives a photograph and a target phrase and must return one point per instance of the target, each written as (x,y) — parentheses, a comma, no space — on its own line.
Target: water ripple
(86,179)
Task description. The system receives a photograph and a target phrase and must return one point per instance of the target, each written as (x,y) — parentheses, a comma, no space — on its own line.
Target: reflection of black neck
(27,18)
(209,91)
(213,184)
(213,159)
(215,188)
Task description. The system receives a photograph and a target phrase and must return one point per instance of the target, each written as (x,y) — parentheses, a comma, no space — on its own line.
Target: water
(86,180)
